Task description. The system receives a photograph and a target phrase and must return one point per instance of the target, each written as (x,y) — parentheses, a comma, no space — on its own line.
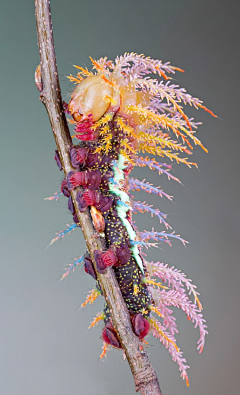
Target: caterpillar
(123,117)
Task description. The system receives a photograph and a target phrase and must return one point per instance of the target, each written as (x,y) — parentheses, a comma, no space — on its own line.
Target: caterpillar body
(119,111)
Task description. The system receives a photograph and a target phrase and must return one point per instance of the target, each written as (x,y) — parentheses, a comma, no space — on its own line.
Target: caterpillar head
(89,98)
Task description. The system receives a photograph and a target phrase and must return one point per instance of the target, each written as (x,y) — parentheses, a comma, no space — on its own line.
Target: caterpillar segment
(118,113)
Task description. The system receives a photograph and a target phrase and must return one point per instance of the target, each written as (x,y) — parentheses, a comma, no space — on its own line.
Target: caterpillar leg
(90,197)
(140,325)
(88,266)
(87,178)
(104,260)
(110,336)
(118,254)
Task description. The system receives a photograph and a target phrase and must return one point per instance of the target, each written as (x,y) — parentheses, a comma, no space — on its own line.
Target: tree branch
(144,375)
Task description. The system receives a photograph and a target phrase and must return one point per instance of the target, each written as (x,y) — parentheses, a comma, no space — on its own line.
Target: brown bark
(144,375)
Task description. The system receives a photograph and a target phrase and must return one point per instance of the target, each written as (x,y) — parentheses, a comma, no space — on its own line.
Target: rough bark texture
(144,375)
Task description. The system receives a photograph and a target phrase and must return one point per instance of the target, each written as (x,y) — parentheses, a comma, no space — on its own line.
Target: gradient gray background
(45,345)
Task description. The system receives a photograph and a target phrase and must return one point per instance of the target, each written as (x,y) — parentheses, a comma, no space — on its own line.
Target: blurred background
(46,347)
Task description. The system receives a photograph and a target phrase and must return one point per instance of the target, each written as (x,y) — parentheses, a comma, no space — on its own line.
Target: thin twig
(144,375)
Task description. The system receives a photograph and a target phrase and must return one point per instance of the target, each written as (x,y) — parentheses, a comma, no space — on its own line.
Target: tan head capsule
(88,98)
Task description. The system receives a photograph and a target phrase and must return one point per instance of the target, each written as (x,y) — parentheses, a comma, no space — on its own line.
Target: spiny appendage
(165,331)
(173,295)
(160,236)
(104,133)
(105,348)
(147,110)
(149,281)
(169,342)
(143,207)
(162,168)
(157,326)
(177,296)
(182,301)
(174,278)
(91,297)
(155,310)
(72,266)
(99,317)
(82,73)
(137,185)
(143,64)
(127,129)
(62,233)
(55,196)
(141,243)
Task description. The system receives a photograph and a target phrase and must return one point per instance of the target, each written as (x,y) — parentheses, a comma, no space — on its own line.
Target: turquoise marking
(123,205)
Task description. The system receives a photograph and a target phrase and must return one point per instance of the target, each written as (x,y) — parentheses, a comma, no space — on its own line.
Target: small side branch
(144,375)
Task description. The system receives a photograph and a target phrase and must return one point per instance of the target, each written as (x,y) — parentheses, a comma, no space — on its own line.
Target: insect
(120,115)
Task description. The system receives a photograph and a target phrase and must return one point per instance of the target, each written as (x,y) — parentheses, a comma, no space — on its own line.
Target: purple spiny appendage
(133,63)
(152,164)
(143,207)
(136,184)
(161,236)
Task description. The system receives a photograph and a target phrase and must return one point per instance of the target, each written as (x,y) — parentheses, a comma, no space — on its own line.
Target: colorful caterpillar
(118,111)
